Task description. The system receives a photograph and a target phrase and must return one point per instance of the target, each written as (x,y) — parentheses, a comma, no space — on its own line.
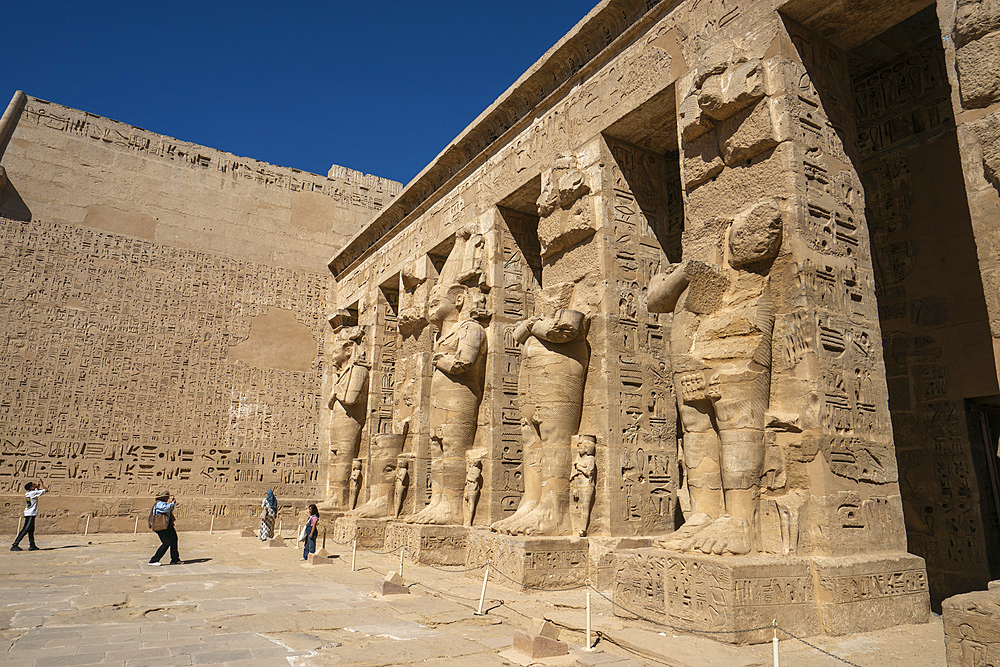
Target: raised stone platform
(735,598)
(536,562)
(370,532)
(972,627)
(434,545)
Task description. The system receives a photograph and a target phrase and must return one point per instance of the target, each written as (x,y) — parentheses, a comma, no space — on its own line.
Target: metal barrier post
(590,645)
(211,527)
(774,641)
(482,596)
(86,529)
(401,549)
(135,531)
(354,551)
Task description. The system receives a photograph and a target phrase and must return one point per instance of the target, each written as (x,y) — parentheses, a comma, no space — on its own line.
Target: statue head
(345,342)
(586,445)
(445,302)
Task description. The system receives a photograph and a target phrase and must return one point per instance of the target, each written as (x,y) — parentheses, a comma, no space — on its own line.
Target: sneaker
(152,563)
(14,547)
(33,548)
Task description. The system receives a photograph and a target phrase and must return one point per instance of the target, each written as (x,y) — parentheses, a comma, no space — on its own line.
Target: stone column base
(370,532)
(529,562)
(735,598)
(434,545)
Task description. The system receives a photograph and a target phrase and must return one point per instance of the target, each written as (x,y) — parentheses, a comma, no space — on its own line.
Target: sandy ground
(234,601)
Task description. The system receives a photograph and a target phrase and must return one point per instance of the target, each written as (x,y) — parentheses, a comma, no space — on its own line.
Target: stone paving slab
(239,603)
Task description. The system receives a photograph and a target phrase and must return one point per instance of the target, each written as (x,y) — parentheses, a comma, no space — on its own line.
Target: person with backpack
(33,492)
(161,521)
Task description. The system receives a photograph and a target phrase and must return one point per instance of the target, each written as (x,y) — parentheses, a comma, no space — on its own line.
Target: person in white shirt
(30,514)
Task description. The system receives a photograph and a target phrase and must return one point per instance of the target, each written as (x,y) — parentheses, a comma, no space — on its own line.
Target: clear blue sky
(379,87)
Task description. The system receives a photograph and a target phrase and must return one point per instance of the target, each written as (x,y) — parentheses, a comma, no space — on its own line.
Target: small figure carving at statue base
(582,483)
(402,479)
(355,482)
(473,483)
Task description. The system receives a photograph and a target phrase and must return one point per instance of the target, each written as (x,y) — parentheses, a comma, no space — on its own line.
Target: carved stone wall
(164,317)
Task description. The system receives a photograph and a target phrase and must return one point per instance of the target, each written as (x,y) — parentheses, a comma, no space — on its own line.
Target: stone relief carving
(473,485)
(402,479)
(720,349)
(554,359)
(381,476)
(455,308)
(348,403)
(355,483)
(582,483)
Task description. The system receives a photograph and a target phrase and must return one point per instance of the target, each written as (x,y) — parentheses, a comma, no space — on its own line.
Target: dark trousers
(310,546)
(28,529)
(168,540)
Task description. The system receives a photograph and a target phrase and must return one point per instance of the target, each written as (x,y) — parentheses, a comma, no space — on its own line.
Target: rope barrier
(490,566)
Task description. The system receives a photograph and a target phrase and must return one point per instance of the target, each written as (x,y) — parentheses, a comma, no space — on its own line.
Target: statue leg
(741,433)
(702,471)
(449,475)
(531,467)
(436,473)
(557,425)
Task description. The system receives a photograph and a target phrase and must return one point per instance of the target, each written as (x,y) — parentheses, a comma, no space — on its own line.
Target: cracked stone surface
(93,600)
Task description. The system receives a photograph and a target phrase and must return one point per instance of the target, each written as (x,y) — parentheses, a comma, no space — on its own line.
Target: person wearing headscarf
(268,512)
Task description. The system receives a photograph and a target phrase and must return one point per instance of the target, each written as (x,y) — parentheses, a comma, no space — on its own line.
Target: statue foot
(373,509)
(675,540)
(522,509)
(441,514)
(542,520)
(418,517)
(726,535)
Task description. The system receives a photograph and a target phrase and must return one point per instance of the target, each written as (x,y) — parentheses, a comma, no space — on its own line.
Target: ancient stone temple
(703,309)
(694,311)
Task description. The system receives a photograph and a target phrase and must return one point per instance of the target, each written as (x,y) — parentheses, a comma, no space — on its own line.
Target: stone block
(638,583)
(702,160)
(529,562)
(692,119)
(434,545)
(248,533)
(544,628)
(391,584)
(370,532)
(972,628)
(321,558)
(865,593)
(978,63)
(276,542)
(601,554)
(746,134)
(538,646)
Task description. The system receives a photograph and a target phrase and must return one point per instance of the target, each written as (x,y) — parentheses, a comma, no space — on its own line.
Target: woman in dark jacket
(168,536)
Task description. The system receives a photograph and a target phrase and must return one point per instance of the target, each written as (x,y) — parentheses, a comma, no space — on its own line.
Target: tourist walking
(33,492)
(161,521)
(310,531)
(268,512)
